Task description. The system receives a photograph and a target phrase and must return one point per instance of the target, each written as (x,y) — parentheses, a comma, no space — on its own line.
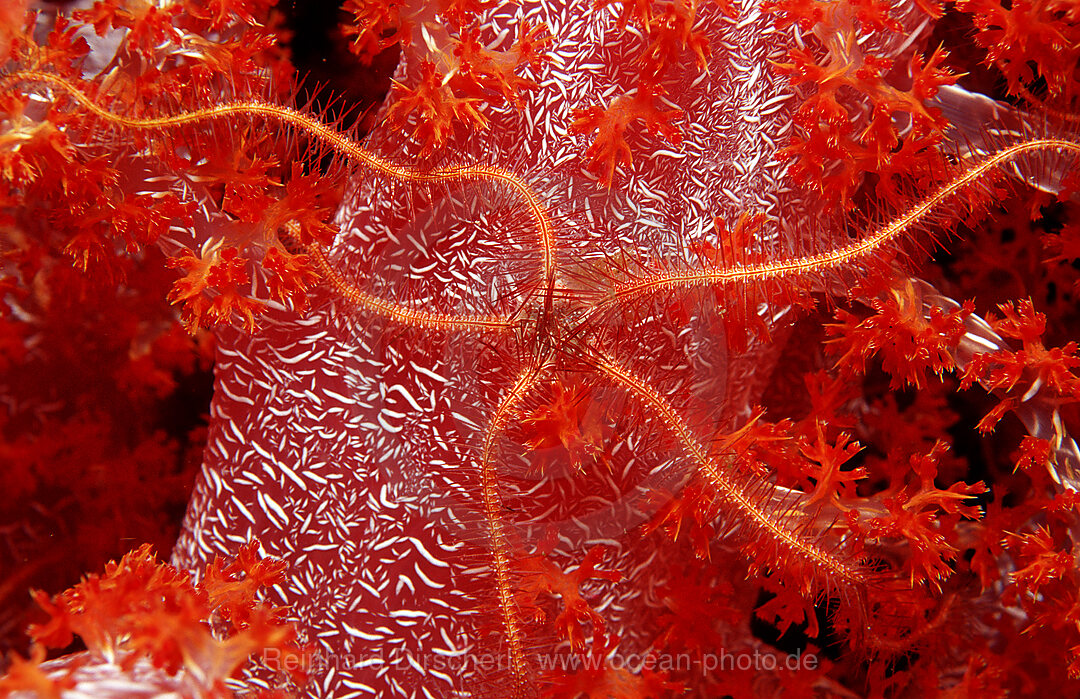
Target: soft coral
(198,634)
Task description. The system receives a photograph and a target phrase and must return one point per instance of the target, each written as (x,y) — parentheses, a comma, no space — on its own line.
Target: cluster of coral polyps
(619,371)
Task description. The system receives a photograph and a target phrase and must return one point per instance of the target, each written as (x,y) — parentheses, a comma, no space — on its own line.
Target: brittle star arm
(492,503)
(355,152)
(394,311)
(844,256)
(783,531)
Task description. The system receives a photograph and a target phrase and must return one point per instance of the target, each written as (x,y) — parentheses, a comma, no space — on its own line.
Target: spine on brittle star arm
(326,135)
(783,531)
(500,555)
(840,257)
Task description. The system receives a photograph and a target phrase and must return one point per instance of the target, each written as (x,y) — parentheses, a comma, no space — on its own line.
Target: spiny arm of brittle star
(839,257)
(330,137)
(489,484)
(748,511)
(394,311)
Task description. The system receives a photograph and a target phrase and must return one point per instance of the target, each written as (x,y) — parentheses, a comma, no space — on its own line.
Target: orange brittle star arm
(781,530)
(354,151)
(839,257)
(396,312)
(500,554)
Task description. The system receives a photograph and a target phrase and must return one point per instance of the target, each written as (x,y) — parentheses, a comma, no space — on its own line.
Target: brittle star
(557,332)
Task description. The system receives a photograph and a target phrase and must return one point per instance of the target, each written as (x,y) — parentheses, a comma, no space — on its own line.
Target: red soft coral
(142,609)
